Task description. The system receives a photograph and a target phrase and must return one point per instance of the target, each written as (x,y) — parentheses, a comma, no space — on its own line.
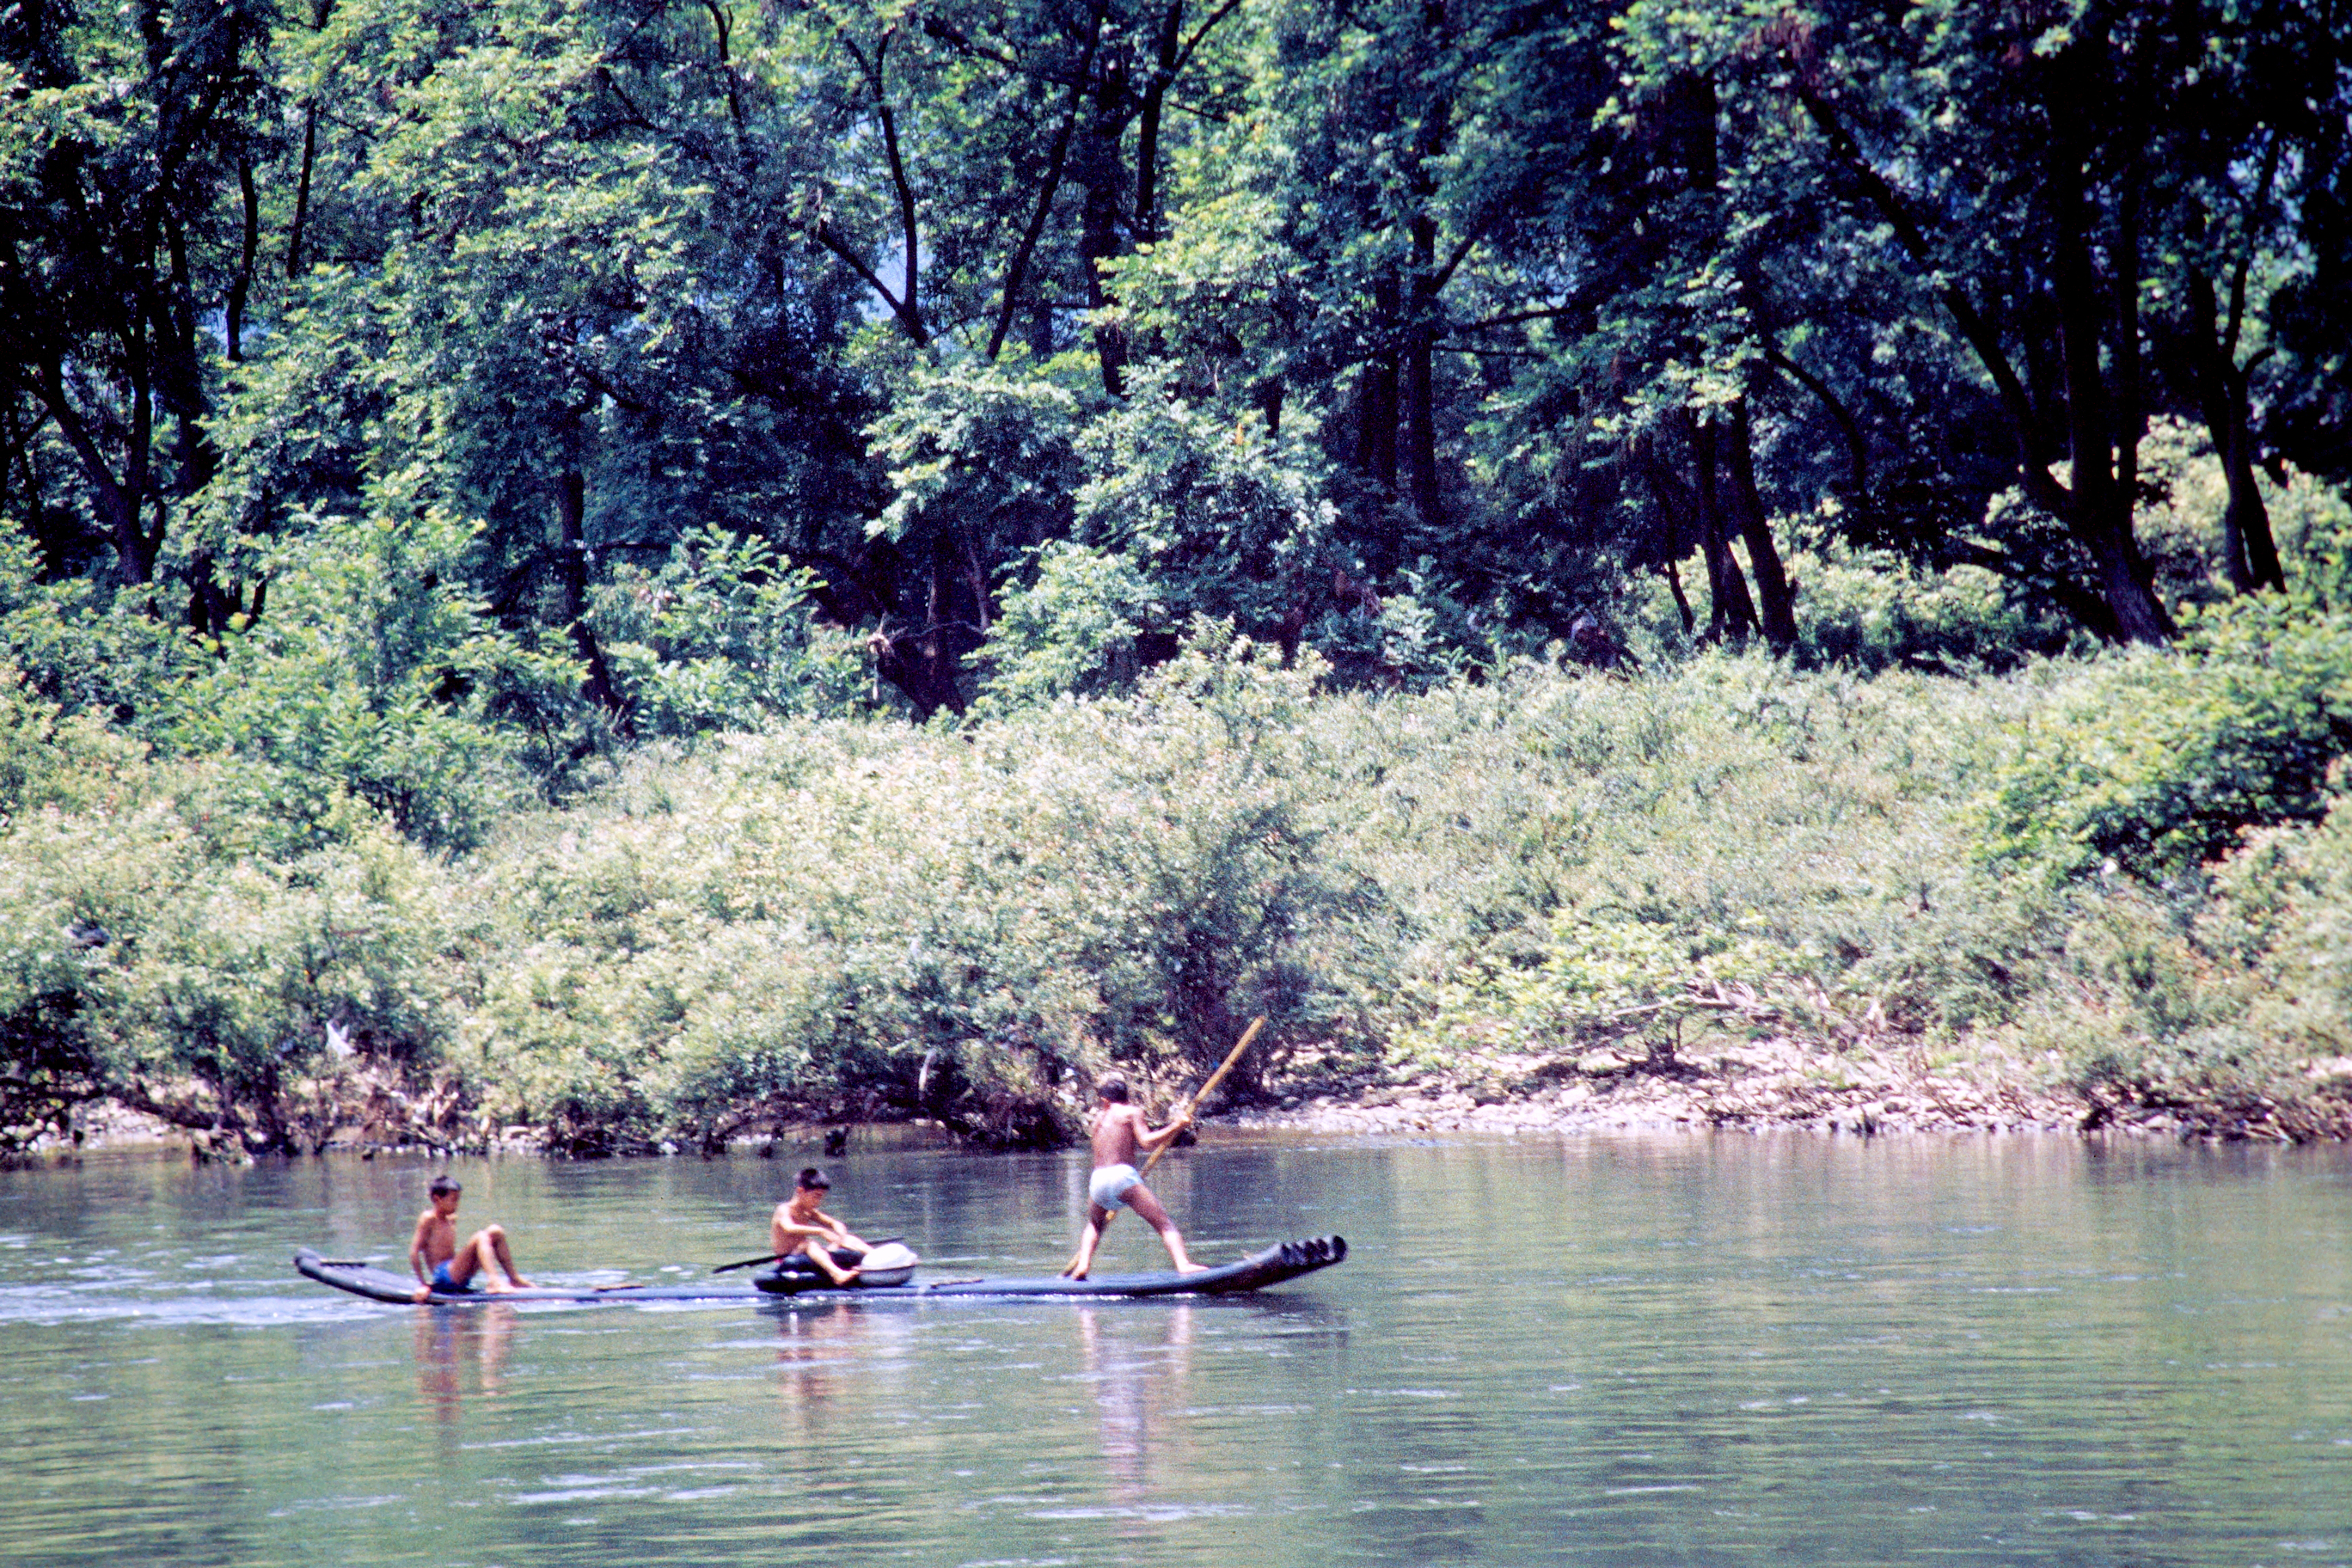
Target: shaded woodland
(416,417)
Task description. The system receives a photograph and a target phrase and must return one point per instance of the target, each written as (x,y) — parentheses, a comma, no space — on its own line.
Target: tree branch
(2034,459)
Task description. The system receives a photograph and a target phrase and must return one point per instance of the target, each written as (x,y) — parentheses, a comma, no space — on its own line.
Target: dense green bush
(2157,760)
(2231,1012)
(910,922)
(838,917)
(157,958)
(724,637)
(1870,610)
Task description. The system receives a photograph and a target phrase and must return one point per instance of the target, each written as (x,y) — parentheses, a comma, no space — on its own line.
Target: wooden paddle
(772,1257)
(1199,1095)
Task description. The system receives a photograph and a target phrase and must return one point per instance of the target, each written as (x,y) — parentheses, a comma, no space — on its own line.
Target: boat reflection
(461,1352)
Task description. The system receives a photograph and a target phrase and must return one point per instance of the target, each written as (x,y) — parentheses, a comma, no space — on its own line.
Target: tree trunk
(1016,269)
(241,288)
(1434,134)
(1776,600)
(1420,378)
(1100,172)
(2248,550)
(1731,614)
(571,559)
(2131,410)
(1682,600)
(2097,512)
(1378,405)
(1149,114)
(117,502)
(302,190)
(925,663)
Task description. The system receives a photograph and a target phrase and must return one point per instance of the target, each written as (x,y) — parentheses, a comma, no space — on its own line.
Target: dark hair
(443,1185)
(1113,1089)
(811,1180)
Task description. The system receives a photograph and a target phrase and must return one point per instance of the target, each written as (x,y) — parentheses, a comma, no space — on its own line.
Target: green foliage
(923,925)
(1583,857)
(1223,519)
(2228,1012)
(1589,981)
(835,916)
(1873,610)
(373,679)
(1073,628)
(154,957)
(489,458)
(2158,760)
(979,454)
(723,637)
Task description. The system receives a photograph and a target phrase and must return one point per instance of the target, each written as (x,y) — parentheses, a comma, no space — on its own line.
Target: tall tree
(128,215)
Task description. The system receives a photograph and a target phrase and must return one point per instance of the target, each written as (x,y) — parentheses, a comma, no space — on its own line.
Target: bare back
(1117,1135)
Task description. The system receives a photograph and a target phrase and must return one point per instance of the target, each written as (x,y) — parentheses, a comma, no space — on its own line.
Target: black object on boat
(1285,1260)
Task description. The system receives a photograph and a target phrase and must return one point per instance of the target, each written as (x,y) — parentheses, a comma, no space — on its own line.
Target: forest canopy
(652,367)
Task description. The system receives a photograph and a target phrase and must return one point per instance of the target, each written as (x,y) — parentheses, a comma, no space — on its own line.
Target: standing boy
(1120,1133)
(452,1267)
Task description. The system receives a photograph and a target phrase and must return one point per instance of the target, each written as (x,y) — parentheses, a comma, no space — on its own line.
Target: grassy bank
(1510,887)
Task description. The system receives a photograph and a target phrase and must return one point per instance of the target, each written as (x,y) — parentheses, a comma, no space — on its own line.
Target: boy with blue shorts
(452,1268)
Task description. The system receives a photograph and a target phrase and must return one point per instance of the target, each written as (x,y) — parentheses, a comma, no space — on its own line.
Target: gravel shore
(1757,1085)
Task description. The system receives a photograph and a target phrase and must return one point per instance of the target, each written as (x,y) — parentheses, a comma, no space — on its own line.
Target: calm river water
(1621,1351)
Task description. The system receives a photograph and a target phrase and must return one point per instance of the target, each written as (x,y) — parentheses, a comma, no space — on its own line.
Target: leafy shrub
(724,637)
(1871,610)
(1226,521)
(1074,628)
(371,677)
(2158,759)
(845,918)
(2229,1013)
(904,921)
(156,962)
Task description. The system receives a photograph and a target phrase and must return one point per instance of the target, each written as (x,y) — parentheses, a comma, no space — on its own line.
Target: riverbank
(1753,1085)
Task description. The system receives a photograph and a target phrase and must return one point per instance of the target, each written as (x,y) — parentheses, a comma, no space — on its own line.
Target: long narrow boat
(1285,1260)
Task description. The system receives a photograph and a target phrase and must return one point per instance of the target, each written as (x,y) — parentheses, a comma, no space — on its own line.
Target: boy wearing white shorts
(1119,1134)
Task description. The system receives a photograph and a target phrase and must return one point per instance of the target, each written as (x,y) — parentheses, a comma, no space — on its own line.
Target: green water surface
(1662,1350)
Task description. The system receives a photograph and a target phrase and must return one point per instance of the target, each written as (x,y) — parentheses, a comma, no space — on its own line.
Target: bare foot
(1073,1273)
(423,1294)
(1193,1269)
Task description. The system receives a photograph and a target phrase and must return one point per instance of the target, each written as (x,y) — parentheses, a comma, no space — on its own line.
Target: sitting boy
(452,1268)
(799,1226)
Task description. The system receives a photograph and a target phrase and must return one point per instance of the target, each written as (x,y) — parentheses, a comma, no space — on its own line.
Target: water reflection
(819,1345)
(462,1351)
(1140,1392)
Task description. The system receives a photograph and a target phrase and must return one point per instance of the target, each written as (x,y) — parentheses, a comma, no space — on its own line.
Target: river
(1641,1350)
